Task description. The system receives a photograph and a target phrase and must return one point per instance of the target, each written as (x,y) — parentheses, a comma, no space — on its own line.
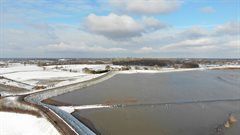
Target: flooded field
(180,103)
(181,119)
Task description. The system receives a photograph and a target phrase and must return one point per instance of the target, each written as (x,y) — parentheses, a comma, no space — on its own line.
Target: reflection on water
(182,103)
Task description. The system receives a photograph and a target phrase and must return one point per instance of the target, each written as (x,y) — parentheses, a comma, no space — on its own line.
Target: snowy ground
(224,67)
(163,70)
(32,125)
(78,67)
(29,76)
(15,84)
(71,109)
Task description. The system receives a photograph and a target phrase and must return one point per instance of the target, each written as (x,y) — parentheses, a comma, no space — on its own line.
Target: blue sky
(120,28)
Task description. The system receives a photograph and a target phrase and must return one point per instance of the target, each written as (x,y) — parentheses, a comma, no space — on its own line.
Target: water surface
(180,103)
(159,88)
(176,119)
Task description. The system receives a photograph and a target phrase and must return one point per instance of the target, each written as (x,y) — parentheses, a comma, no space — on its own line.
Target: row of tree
(156,63)
(91,71)
(142,62)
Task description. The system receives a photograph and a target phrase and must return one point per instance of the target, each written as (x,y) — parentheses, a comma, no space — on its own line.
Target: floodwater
(182,119)
(178,103)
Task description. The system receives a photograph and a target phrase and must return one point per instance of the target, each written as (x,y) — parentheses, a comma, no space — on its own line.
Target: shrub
(190,65)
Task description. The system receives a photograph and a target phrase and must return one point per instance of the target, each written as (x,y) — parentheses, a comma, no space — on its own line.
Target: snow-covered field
(224,67)
(15,84)
(29,76)
(17,67)
(24,124)
(78,67)
(163,70)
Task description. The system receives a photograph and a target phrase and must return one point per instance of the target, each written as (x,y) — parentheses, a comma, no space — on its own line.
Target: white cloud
(145,50)
(113,26)
(147,7)
(230,28)
(208,45)
(70,41)
(65,47)
(60,47)
(108,50)
(121,26)
(28,27)
(193,44)
(235,44)
(207,10)
(152,24)
(22,39)
(194,32)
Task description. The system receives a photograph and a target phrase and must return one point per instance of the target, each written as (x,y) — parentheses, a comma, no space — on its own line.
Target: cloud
(229,28)
(202,39)
(147,7)
(193,42)
(113,26)
(66,47)
(26,38)
(120,26)
(207,10)
(69,41)
(203,44)
(145,50)
(40,28)
(108,50)
(193,33)
(235,44)
(152,24)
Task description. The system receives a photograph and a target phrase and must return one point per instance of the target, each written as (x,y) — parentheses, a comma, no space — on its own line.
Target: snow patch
(163,70)
(29,76)
(24,124)
(71,109)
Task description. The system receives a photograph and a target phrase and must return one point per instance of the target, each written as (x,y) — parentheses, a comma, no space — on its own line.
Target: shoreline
(11,90)
(166,70)
(36,98)
(70,125)
(71,121)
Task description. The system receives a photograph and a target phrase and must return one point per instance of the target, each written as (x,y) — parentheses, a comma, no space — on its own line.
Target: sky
(119,28)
